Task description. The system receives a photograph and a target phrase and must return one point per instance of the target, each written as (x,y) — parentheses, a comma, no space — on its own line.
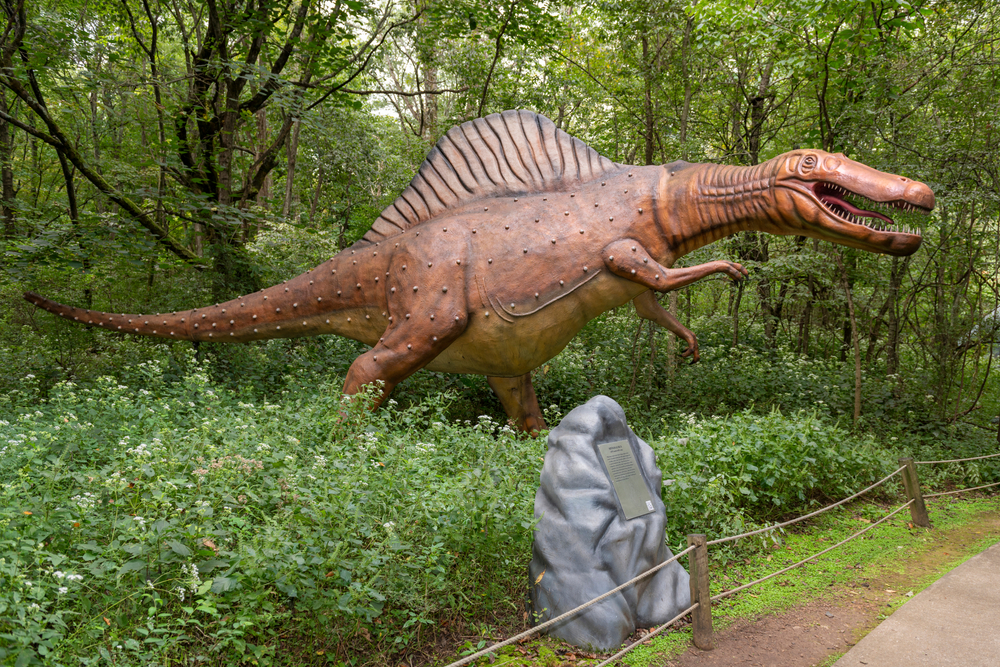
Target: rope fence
(541,626)
(972,458)
(724,595)
(951,493)
(723,540)
(621,654)
(697,552)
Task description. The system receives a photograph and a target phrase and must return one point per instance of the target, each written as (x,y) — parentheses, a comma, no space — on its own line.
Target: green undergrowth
(166,516)
(884,550)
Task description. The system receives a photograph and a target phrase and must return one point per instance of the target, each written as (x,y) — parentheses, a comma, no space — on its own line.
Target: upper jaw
(844,214)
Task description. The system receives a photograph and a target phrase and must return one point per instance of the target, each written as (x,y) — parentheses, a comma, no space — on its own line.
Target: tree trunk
(265,188)
(647,101)
(7,174)
(293,153)
(854,338)
(686,78)
(342,237)
(98,201)
(736,313)
(806,323)
(315,198)
(758,114)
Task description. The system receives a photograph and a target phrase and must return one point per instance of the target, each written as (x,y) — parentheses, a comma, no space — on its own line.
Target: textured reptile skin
(513,235)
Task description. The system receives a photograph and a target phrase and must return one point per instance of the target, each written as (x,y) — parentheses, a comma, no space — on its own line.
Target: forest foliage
(163,154)
(157,154)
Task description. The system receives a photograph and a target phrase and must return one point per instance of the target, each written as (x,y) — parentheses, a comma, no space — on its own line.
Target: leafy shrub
(177,519)
(235,509)
(725,475)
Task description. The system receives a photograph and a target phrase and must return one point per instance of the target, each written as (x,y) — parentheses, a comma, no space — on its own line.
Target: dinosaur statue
(513,235)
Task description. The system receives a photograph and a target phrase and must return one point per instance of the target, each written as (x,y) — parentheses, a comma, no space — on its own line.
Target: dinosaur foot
(517,396)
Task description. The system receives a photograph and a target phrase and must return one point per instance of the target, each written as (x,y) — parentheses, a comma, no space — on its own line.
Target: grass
(168,516)
(891,552)
(884,552)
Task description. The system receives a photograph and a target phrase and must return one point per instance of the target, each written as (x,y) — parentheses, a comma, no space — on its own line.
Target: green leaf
(223,584)
(178,548)
(206,566)
(131,566)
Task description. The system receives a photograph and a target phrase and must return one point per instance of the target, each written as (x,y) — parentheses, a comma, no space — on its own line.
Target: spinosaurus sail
(513,235)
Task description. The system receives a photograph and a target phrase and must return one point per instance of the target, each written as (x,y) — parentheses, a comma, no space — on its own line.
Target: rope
(733,591)
(949,493)
(721,596)
(541,626)
(649,636)
(807,516)
(974,458)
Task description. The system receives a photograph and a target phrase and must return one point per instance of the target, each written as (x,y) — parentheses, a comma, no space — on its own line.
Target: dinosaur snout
(919,194)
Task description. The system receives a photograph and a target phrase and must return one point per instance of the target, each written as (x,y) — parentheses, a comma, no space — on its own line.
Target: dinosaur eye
(808,162)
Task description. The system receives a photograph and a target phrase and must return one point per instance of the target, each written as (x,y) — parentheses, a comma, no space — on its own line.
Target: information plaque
(630,486)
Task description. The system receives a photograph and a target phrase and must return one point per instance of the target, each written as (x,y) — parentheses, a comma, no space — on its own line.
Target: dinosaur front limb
(650,309)
(628,259)
(517,396)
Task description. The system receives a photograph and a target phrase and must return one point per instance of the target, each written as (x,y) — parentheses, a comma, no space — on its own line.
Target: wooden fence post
(918,511)
(701,618)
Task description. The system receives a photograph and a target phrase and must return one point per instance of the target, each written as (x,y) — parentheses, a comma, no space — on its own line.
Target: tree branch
(404,93)
(496,55)
(114,195)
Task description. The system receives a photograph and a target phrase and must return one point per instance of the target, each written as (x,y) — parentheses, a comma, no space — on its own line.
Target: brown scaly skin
(499,286)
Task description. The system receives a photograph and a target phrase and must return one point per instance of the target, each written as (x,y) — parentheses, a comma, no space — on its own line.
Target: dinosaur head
(833,198)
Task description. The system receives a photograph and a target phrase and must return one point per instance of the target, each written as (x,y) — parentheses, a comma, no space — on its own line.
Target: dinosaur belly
(503,344)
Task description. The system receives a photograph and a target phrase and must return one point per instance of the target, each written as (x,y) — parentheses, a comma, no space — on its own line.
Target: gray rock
(583,545)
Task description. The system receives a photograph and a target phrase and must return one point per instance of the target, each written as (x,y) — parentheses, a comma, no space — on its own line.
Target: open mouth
(846,206)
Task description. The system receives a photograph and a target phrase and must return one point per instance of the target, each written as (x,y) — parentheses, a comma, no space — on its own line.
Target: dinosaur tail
(312,303)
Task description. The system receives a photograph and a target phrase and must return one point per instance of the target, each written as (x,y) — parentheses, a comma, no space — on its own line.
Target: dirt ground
(805,635)
(818,632)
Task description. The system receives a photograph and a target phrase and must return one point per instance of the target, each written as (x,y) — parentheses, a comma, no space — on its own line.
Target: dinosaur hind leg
(517,395)
(421,327)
